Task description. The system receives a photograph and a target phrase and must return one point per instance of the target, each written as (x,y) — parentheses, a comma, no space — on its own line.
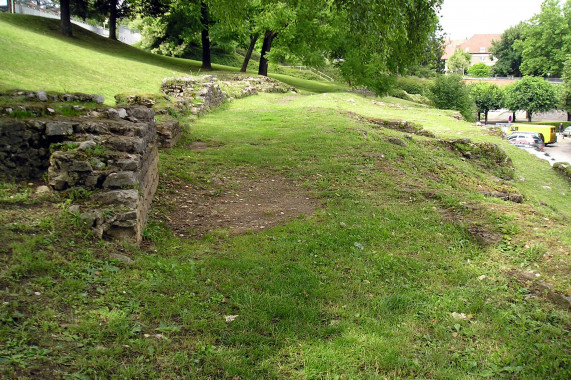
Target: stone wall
(110,154)
(24,149)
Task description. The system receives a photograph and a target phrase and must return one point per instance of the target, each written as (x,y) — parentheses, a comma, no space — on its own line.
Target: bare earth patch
(237,203)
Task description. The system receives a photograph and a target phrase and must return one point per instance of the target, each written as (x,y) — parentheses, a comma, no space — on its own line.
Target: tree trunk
(205,36)
(513,118)
(528,114)
(266,46)
(65,20)
(568,116)
(113,20)
(485,117)
(479,115)
(253,40)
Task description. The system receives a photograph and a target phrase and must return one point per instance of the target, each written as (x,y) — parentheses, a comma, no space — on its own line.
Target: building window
(482,50)
(482,59)
(467,50)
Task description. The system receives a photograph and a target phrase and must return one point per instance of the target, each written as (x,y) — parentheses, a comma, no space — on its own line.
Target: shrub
(414,85)
(450,92)
(479,70)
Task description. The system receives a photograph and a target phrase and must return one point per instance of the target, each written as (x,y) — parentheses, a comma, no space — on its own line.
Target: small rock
(546,187)
(74,209)
(43,190)
(50,111)
(60,128)
(85,145)
(120,179)
(358,245)
(342,224)
(127,198)
(92,218)
(98,98)
(42,96)
(396,141)
(482,277)
(230,318)
(122,113)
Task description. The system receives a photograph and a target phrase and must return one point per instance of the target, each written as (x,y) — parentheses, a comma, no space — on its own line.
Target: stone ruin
(197,95)
(107,155)
(111,154)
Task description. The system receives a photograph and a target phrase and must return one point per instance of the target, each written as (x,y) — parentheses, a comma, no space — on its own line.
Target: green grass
(365,287)
(33,55)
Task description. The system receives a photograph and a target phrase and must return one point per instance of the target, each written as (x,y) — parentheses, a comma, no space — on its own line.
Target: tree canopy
(459,62)
(531,94)
(565,89)
(487,97)
(450,92)
(547,40)
(371,41)
(508,52)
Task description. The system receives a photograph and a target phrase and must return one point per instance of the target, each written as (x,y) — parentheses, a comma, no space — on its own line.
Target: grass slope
(33,54)
(383,281)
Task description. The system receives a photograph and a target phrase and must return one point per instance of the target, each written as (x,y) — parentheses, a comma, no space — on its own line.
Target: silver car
(567,132)
(526,139)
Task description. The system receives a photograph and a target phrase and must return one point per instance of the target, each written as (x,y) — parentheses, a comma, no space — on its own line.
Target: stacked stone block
(110,153)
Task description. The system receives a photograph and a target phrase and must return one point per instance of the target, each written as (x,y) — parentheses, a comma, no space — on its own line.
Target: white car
(567,132)
(526,139)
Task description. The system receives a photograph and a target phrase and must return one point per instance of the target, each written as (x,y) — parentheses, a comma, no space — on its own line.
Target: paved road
(556,152)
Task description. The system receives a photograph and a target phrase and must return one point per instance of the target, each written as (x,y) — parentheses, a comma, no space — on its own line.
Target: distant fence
(316,72)
(124,34)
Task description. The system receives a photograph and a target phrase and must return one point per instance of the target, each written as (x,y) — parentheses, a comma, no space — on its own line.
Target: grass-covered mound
(291,237)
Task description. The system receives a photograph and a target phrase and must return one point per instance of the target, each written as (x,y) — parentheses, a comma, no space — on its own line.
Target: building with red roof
(478,46)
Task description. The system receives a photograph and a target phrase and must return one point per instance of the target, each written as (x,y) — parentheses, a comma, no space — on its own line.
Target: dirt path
(237,203)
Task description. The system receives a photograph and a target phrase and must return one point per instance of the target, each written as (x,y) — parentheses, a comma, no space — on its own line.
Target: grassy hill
(32,53)
(291,237)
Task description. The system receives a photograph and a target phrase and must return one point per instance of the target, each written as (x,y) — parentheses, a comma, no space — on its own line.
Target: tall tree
(378,39)
(547,41)
(508,52)
(431,63)
(531,94)
(205,20)
(113,19)
(241,18)
(65,18)
(487,97)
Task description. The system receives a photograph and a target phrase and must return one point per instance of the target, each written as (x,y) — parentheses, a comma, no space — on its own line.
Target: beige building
(479,46)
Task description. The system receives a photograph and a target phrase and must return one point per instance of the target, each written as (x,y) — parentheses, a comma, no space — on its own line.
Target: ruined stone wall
(24,149)
(111,154)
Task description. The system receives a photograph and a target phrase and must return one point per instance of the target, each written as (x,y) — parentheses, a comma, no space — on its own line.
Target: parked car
(526,139)
(567,132)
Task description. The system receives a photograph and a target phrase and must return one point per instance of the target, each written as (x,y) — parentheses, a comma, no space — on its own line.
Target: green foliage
(459,62)
(531,94)
(63,146)
(564,90)
(401,31)
(487,96)
(479,70)
(508,52)
(415,85)
(450,92)
(547,41)
(21,114)
(430,62)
